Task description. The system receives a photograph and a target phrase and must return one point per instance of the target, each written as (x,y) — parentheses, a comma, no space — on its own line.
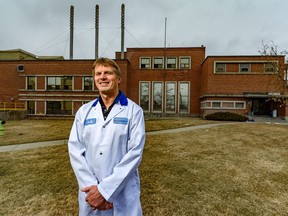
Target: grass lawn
(239,169)
(26,131)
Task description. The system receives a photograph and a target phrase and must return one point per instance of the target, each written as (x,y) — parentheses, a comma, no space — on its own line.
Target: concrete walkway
(257,119)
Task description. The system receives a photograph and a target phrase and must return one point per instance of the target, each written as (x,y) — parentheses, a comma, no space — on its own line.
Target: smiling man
(106,145)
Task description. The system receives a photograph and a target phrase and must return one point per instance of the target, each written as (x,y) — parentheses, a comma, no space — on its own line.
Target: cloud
(225,27)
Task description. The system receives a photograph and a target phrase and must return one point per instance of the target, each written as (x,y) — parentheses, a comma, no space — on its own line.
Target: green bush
(226,116)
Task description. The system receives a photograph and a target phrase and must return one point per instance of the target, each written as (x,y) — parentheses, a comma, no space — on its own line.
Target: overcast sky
(224,27)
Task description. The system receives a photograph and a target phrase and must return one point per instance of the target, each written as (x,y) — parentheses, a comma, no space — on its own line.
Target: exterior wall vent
(20,68)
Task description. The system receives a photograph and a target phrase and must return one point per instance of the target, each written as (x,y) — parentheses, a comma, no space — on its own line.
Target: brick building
(165,82)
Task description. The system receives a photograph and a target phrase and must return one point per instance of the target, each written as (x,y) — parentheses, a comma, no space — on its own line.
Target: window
(216,104)
(145,63)
(59,107)
(31,83)
(158,63)
(184,62)
(223,105)
(157,97)
(59,83)
(88,83)
(227,104)
(183,97)
(145,96)
(31,107)
(244,68)
(220,67)
(269,67)
(240,105)
(171,63)
(170,97)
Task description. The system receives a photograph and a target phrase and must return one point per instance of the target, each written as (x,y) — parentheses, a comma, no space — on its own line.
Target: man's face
(106,80)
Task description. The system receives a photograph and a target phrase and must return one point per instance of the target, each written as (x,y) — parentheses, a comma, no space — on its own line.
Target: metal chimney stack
(71,30)
(96,31)
(122,29)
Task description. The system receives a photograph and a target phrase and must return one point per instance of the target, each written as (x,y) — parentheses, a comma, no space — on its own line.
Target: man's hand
(95,199)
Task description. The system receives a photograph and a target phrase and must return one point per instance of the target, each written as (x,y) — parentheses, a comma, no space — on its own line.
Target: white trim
(221,104)
(162,98)
(149,95)
(175,96)
(188,98)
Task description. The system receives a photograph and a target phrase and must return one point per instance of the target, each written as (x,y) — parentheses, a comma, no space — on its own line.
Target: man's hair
(107,63)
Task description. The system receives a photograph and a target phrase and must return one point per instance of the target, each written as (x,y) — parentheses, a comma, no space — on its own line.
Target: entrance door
(260,106)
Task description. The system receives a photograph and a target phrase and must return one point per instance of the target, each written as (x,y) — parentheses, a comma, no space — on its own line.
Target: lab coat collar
(121,97)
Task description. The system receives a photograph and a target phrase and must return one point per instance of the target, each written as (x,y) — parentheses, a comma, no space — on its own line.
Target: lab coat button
(101,153)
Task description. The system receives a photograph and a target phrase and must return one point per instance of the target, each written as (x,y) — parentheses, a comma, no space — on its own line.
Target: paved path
(61,142)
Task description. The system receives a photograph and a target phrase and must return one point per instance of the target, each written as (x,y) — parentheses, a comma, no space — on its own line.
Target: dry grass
(226,170)
(26,131)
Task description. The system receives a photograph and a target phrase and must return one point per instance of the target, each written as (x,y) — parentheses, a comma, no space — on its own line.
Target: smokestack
(122,29)
(71,30)
(96,31)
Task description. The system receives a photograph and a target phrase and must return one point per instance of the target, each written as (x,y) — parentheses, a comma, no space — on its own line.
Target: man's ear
(119,79)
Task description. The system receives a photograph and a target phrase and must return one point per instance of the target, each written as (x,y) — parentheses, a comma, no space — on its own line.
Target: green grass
(239,169)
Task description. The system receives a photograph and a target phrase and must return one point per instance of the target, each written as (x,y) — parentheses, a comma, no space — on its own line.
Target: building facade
(164,82)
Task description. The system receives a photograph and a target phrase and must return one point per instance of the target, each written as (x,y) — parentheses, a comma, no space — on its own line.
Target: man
(105,147)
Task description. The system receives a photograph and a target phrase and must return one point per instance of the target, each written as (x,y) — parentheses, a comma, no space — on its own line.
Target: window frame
(60,86)
(27,83)
(92,84)
(167,63)
(140,63)
(140,96)
(188,97)
(216,68)
(189,62)
(153,97)
(174,99)
(157,68)
(242,68)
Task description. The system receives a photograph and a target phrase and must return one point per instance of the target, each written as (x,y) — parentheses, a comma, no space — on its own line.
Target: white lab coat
(107,153)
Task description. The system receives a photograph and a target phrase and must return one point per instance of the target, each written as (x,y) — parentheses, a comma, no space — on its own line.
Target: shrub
(226,116)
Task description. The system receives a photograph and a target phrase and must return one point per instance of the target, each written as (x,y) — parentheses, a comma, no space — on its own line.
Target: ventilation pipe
(96,31)
(122,29)
(71,30)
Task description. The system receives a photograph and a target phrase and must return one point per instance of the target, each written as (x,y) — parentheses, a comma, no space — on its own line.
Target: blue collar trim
(121,97)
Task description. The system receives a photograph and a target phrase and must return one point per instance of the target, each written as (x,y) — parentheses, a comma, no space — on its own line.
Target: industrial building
(164,82)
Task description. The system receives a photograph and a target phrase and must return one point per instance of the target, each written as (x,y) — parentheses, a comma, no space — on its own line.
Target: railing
(12,105)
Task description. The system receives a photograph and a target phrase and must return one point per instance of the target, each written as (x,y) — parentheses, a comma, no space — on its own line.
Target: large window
(59,83)
(31,84)
(145,96)
(184,62)
(184,97)
(171,63)
(59,107)
(157,96)
(158,63)
(170,97)
(145,63)
(88,83)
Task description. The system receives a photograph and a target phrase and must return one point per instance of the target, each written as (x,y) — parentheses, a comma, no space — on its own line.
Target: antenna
(71,30)
(164,62)
(96,31)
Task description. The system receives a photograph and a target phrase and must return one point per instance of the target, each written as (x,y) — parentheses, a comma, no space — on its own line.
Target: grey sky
(225,27)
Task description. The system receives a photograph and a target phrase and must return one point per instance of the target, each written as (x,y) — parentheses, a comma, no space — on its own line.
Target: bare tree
(276,63)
